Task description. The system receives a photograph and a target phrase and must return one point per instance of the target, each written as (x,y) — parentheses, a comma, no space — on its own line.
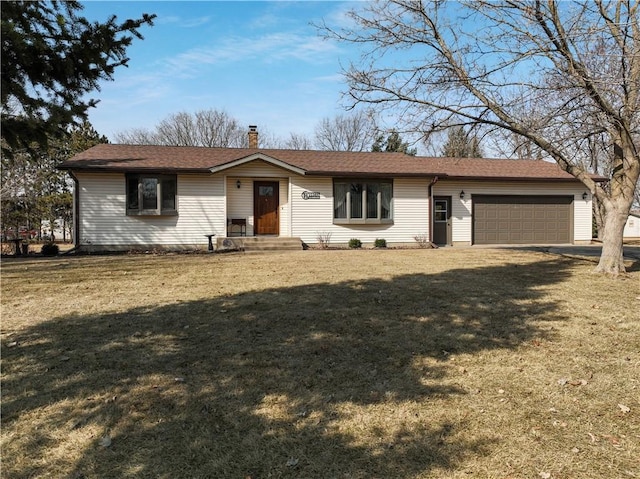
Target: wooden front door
(266,202)
(442,220)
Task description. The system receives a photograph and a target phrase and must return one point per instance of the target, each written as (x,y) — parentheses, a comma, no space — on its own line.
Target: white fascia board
(258,156)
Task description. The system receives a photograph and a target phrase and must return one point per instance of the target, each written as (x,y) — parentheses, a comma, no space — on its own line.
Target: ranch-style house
(178,198)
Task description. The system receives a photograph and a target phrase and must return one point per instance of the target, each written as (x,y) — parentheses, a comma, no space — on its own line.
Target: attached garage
(526,219)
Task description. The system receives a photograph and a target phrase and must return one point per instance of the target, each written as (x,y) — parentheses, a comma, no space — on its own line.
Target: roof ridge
(122,157)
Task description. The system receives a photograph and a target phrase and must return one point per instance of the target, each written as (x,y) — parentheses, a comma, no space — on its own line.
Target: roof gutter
(76,210)
(104,169)
(509,178)
(356,174)
(433,181)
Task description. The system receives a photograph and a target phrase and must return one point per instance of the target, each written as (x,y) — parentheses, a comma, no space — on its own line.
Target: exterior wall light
(585,196)
(462,195)
(238,184)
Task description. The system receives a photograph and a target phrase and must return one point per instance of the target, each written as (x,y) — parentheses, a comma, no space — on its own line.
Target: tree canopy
(461,144)
(393,143)
(484,63)
(33,190)
(354,132)
(52,57)
(210,128)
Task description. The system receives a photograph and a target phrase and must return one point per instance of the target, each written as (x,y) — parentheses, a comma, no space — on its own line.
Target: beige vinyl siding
(461,220)
(240,200)
(632,227)
(240,203)
(309,218)
(103,221)
(285,208)
(582,215)
(313,217)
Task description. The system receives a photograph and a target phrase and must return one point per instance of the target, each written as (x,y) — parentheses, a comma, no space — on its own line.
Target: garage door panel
(522,219)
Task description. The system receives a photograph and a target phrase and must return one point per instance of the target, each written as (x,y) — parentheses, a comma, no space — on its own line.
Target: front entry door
(265,207)
(442,220)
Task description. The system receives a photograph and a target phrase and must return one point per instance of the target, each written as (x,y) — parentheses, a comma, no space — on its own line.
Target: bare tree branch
(211,128)
(354,132)
(481,63)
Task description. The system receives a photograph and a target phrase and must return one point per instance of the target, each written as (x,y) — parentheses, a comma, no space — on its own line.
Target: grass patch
(320,364)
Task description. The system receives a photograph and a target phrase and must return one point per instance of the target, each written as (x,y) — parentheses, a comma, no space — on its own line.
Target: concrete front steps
(254,244)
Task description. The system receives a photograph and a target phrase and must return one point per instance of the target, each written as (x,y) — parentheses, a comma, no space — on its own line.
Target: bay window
(362,201)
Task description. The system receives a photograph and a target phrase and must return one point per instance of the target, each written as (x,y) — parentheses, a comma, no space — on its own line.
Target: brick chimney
(253,136)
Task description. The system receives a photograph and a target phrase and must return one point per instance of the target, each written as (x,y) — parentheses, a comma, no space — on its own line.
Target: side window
(151,195)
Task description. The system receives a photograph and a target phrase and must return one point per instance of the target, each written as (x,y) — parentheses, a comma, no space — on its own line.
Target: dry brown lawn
(449,363)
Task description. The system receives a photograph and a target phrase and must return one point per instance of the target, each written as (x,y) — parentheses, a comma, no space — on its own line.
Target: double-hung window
(151,195)
(362,201)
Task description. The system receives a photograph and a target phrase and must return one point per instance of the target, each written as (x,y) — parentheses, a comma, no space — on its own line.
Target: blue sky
(262,62)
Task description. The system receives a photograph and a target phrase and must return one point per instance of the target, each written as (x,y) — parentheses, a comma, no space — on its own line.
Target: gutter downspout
(76,210)
(430,194)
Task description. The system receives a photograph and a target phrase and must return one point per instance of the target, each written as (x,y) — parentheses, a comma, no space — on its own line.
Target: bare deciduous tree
(298,142)
(355,132)
(464,61)
(136,136)
(211,128)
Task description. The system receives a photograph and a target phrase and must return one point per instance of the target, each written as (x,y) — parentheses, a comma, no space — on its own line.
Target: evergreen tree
(393,143)
(33,189)
(51,59)
(461,144)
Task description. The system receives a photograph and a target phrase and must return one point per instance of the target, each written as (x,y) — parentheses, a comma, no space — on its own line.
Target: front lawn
(448,363)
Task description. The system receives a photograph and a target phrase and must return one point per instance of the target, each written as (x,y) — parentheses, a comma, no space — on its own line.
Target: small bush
(50,249)
(422,240)
(380,243)
(355,243)
(324,239)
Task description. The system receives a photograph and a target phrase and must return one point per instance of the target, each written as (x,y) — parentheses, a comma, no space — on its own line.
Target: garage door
(522,219)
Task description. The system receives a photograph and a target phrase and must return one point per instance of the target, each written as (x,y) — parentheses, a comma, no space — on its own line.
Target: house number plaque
(310,195)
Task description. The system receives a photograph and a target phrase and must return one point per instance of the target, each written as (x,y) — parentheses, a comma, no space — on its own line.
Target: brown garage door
(522,219)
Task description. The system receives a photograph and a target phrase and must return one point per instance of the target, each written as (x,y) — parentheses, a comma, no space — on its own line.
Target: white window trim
(364,220)
(158,211)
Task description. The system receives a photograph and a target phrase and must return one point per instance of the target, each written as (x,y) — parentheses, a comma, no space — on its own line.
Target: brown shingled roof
(120,158)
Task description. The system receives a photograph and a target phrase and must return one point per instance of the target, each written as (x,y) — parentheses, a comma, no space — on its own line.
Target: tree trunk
(598,218)
(611,259)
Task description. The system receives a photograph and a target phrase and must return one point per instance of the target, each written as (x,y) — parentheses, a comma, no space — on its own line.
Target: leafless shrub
(324,239)
(422,239)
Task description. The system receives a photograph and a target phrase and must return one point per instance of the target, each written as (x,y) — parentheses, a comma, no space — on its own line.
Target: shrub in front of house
(324,239)
(50,249)
(422,240)
(380,243)
(355,243)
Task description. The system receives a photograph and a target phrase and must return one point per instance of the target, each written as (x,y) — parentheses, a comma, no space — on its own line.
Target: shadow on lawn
(267,379)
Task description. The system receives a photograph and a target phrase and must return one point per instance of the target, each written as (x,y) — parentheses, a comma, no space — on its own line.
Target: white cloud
(183,22)
(268,49)
(195,22)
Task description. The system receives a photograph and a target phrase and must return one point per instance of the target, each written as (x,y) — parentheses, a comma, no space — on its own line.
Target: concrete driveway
(631,252)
